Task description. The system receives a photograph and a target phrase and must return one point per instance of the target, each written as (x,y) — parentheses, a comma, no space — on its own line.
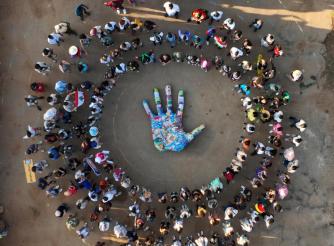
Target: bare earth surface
(302,27)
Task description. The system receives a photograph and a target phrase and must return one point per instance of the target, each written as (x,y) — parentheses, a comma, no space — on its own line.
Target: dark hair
(82,36)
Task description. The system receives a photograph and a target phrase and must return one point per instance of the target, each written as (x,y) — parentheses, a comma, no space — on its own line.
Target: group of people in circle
(96,181)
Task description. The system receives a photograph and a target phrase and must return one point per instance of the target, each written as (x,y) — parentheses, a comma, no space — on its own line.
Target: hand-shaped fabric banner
(167,128)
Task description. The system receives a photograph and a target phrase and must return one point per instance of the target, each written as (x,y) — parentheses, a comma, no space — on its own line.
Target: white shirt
(301,125)
(126,23)
(171,11)
(216,15)
(230,211)
(110,26)
(230,26)
(278,116)
(247,102)
(55,39)
(61,28)
(104,225)
(235,52)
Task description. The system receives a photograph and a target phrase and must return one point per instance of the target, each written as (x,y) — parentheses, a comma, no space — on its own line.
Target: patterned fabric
(167,128)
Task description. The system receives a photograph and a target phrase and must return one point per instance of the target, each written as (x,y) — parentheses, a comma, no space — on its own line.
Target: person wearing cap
(171,9)
(74,51)
(61,210)
(81,11)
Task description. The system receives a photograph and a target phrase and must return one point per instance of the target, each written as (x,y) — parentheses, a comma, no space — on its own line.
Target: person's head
(122,22)
(28,134)
(33,169)
(29,152)
(171,6)
(49,99)
(45,51)
(50,37)
(82,36)
(37,66)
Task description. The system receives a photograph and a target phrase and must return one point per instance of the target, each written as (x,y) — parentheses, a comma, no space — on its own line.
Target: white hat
(57,213)
(73,50)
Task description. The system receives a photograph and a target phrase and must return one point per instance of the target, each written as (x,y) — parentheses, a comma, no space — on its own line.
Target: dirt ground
(303,28)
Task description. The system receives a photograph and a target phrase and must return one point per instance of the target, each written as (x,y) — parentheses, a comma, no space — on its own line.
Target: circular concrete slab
(209,100)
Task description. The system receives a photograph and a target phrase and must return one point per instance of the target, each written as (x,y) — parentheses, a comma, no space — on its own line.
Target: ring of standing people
(92,170)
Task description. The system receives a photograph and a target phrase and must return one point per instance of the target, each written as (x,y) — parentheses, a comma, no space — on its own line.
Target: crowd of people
(100,180)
